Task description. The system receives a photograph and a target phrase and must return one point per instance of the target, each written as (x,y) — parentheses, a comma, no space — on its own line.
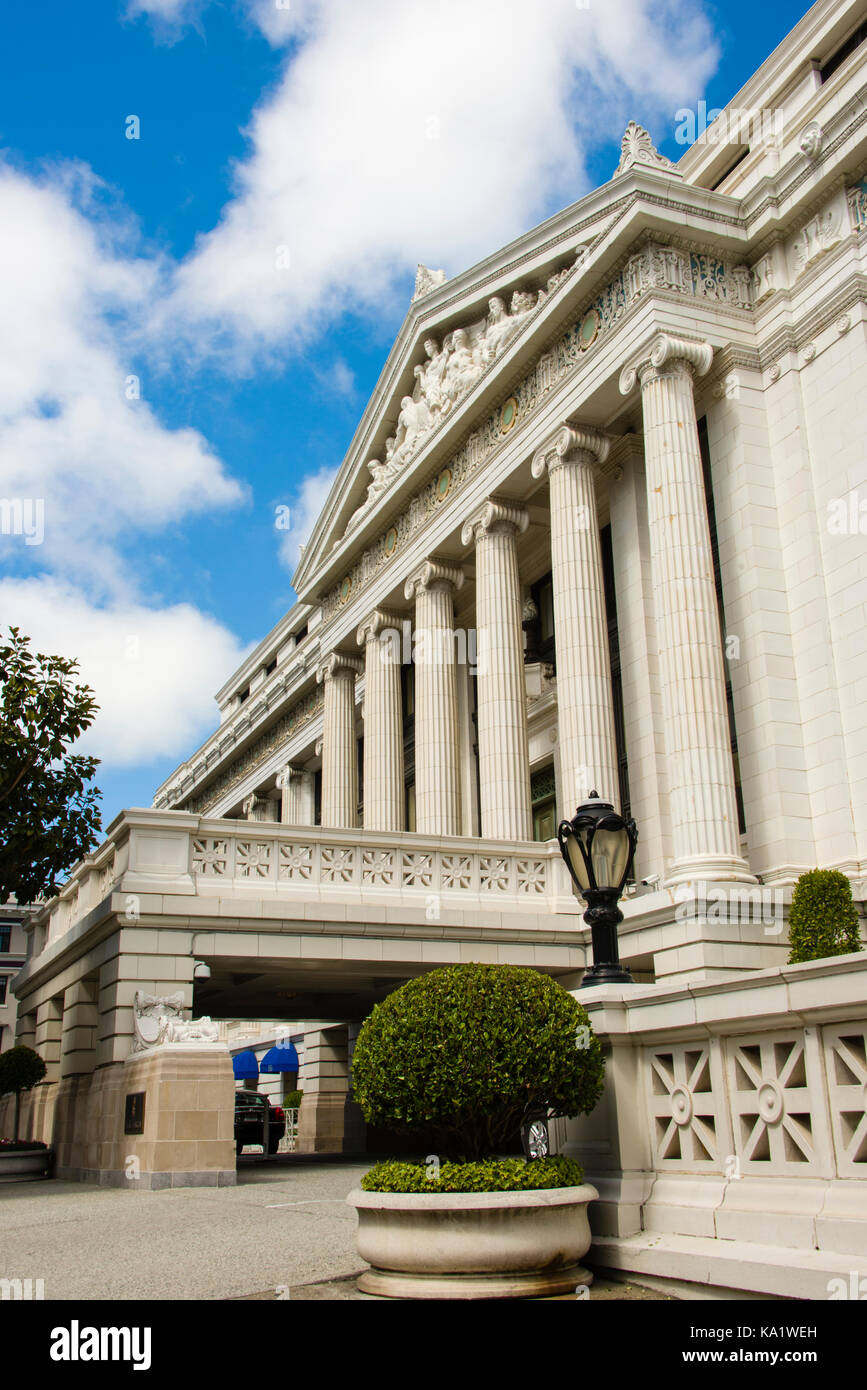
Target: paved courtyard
(284,1231)
(187,1243)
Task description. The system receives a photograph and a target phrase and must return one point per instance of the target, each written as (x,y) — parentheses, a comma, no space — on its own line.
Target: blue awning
(283,1057)
(245,1066)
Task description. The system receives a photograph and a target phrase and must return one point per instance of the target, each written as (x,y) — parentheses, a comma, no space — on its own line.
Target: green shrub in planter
(465,1054)
(486,1175)
(823,920)
(292,1100)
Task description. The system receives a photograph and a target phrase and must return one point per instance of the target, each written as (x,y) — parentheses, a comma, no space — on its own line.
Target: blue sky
(363,138)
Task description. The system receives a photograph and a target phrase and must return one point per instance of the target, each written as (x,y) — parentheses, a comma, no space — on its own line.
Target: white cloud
(304,511)
(105,467)
(71,429)
(406,132)
(154,671)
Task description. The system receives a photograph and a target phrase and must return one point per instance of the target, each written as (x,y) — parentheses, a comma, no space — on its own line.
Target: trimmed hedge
(488,1175)
(292,1100)
(467,1053)
(823,920)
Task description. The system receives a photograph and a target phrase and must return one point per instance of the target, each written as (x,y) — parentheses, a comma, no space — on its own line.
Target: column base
(709,868)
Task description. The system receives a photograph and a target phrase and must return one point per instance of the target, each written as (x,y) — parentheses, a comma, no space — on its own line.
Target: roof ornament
(636,147)
(427,280)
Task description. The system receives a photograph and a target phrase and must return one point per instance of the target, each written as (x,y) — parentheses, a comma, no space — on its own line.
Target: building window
(407,696)
(543,798)
(4,981)
(541,641)
(614,659)
(359,753)
(317,797)
(271,667)
(5,939)
(839,56)
(243,695)
(717,578)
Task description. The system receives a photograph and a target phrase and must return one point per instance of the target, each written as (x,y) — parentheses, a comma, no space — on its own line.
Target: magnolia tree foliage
(823,920)
(467,1053)
(49,816)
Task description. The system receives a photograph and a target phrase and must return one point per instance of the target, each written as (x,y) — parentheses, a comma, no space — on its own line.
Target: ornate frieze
(655,267)
(857,197)
(289,723)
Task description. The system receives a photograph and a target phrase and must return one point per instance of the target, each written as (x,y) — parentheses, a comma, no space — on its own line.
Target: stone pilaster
(504,759)
(705,836)
(437,786)
(49,1031)
(339,755)
(297,787)
(588,750)
(80,1028)
(379,634)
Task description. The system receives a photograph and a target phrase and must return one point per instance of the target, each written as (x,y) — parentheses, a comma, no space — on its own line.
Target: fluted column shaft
(437,786)
(504,756)
(383,722)
(705,835)
(339,755)
(296,784)
(585,703)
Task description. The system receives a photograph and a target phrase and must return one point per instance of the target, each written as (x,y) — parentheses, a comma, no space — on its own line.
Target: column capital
(579,444)
(338,664)
(495,515)
(666,349)
(292,772)
(375,623)
(433,574)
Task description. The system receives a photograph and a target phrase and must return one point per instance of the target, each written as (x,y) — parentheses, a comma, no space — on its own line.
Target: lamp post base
(606,975)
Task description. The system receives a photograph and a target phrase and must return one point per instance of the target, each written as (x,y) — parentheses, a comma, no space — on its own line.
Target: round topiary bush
(465,1054)
(823,920)
(20,1070)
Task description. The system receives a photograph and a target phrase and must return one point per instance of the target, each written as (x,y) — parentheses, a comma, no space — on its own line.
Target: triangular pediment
(456,337)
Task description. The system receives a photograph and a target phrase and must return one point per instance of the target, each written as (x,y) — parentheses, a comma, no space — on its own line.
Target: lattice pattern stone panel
(683,1107)
(846,1068)
(772,1101)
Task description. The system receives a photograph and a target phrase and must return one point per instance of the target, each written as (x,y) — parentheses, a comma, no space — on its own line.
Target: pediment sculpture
(450,369)
(160,1021)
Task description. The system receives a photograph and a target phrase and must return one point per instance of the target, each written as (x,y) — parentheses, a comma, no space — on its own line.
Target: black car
(257,1121)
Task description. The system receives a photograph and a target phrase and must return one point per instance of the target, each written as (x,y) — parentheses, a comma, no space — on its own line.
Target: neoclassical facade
(602,526)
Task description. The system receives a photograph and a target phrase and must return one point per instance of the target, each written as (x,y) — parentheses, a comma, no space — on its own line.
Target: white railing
(173,852)
(299,859)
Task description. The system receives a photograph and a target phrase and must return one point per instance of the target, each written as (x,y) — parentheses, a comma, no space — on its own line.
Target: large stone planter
(23,1165)
(473,1244)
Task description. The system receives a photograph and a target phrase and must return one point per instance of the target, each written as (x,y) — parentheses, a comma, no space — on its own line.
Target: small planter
(24,1165)
(464,1245)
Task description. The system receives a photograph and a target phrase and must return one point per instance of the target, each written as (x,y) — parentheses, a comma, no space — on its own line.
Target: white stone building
(603,524)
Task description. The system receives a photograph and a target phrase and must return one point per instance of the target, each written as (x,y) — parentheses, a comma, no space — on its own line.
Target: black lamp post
(599,847)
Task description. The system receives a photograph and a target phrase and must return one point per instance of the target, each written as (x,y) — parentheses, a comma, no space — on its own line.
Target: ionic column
(339,756)
(705,836)
(504,757)
(379,634)
(437,788)
(296,786)
(585,703)
(260,808)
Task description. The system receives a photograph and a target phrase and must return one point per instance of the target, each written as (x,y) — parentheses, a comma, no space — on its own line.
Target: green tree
(20,1070)
(823,920)
(466,1054)
(49,816)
